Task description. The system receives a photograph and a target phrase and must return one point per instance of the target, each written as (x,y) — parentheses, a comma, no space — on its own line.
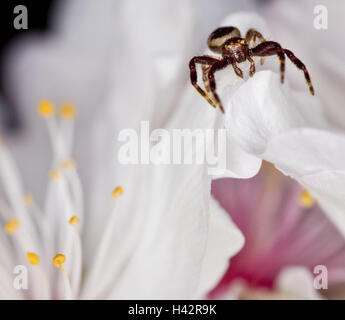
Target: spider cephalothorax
(227,42)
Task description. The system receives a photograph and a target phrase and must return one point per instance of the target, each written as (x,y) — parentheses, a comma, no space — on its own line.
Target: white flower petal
(307,151)
(263,108)
(329,188)
(171,243)
(288,129)
(223,242)
(157,228)
(316,159)
(240,164)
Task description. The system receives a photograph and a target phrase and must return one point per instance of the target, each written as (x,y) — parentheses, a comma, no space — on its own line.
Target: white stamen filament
(71,235)
(23,219)
(39,276)
(22,235)
(58,261)
(5,210)
(67,283)
(13,189)
(73,181)
(69,190)
(59,149)
(11,182)
(67,131)
(44,282)
(102,250)
(43,227)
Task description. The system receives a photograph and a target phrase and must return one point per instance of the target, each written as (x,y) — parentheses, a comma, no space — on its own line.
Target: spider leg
(215,67)
(193,75)
(205,70)
(251,35)
(237,70)
(252,66)
(270,48)
(299,64)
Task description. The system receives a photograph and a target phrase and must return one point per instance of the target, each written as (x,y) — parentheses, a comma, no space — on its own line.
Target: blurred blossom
(287,235)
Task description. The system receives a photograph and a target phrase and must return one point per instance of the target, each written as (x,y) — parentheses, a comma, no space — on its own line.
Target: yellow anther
(28,199)
(73,221)
(117,192)
(67,111)
(58,260)
(11,226)
(54,174)
(33,258)
(45,108)
(68,164)
(306,200)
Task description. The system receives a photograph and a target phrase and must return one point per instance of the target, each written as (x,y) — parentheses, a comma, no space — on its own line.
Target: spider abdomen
(219,36)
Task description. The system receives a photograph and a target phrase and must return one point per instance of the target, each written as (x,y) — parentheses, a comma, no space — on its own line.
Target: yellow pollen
(11,226)
(67,111)
(54,174)
(33,258)
(58,260)
(28,199)
(45,108)
(73,221)
(68,164)
(306,200)
(117,192)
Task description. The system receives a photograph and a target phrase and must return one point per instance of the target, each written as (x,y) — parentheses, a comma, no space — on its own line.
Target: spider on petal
(233,49)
